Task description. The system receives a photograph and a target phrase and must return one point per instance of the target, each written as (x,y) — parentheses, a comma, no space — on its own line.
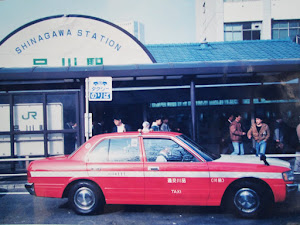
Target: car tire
(250,200)
(86,198)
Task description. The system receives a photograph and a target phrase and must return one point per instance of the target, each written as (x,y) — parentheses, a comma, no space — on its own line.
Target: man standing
(236,134)
(279,135)
(261,133)
(165,126)
(297,161)
(70,138)
(119,126)
(97,128)
(155,125)
(225,144)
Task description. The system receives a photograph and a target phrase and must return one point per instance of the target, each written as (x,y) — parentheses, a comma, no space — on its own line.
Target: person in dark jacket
(156,125)
(119,126)
(236,134)
(70,138)
(164,126)
(279,135)
(97,128)
(225,142)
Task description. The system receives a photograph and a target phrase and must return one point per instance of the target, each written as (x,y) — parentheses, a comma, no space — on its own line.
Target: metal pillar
(252,107)
(86,120)
(81,112)
(145,112)
(193,108)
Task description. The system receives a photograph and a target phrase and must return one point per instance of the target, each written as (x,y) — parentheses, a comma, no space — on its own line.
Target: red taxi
(159,168)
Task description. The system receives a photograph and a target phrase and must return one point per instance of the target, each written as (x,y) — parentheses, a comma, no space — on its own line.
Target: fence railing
(26,160)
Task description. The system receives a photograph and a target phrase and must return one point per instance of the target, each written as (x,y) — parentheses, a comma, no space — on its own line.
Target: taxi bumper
(30,188)
(292,188)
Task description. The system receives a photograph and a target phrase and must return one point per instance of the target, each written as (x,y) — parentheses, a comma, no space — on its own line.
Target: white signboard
(72,40)
(29,117)
(100,89)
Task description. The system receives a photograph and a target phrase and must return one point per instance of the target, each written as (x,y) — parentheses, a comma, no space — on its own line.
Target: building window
(116,150)
(242,31)
(285,29)
(36,121)
(166,150)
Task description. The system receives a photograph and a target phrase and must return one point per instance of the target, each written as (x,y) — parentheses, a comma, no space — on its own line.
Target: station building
(237,20)
(55,74)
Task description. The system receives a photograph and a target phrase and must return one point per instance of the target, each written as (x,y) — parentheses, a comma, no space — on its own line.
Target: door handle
(95,168)
(153,168)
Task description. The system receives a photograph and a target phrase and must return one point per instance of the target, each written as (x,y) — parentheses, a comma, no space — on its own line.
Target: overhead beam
(207,69)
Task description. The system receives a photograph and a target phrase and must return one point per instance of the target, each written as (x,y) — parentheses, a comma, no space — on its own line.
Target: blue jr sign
(100,89)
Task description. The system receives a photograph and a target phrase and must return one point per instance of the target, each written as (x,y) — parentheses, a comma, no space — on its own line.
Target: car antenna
(264,158)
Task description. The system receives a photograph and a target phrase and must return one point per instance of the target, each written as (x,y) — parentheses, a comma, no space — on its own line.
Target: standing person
(97,128)
(119,126)
(297,161)
(146,126)
(165,126)
(236,134)
(155,125)
(279,132)
(260,132)
(70,138)
(225,143)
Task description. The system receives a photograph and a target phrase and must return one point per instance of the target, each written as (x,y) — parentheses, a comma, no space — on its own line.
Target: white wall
(209,24)
(243,11)
(285,9)
(211,18)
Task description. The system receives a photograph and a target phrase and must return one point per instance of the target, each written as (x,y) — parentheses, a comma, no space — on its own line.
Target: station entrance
(213,107)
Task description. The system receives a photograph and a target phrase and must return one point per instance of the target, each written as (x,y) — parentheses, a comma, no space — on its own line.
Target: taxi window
(166,150)
(116,150)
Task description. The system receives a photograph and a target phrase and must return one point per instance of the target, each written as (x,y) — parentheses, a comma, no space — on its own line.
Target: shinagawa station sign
(71,40)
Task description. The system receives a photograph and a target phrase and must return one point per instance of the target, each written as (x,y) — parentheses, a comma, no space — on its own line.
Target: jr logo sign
(30,115)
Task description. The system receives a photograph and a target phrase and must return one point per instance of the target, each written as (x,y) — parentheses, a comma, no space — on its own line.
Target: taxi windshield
(208,156)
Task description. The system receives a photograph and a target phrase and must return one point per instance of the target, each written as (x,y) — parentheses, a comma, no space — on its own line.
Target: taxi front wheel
(250,200)
(86,198)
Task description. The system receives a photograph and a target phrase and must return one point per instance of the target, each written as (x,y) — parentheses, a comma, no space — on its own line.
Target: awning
(207,70)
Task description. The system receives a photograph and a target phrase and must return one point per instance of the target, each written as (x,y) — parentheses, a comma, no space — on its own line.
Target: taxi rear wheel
(86,198)
(249,200)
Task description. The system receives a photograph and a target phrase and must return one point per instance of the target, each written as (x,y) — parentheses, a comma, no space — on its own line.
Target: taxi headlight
(288,176)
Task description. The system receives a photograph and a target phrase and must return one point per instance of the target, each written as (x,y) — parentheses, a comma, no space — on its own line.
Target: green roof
(225,51)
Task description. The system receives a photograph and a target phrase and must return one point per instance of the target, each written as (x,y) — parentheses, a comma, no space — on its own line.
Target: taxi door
(173,175)
(115,164)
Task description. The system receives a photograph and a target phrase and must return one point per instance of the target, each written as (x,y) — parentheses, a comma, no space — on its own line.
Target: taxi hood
(252,159)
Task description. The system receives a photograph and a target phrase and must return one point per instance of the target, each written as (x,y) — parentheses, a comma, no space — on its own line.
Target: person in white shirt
(120,127)
(146,126)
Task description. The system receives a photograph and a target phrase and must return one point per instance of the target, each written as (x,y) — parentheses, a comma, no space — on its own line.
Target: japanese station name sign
(71,40)
(100,89)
